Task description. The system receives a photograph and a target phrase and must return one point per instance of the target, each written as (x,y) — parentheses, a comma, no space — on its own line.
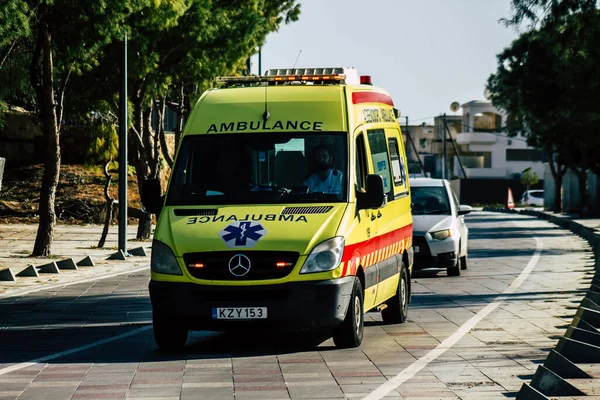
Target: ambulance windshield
(260,169)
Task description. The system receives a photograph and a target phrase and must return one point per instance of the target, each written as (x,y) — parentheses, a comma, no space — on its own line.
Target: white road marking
(422,362)
(71,351)
(47,287)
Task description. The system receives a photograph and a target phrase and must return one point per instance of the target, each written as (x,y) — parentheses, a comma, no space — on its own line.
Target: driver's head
(323,157)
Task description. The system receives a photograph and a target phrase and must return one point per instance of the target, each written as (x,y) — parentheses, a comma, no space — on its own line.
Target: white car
(533,198)
(440,235)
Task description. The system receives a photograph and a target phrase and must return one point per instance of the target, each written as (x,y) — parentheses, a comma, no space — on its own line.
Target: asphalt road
(477,336)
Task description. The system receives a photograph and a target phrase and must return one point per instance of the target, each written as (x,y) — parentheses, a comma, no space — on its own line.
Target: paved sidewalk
(70,241)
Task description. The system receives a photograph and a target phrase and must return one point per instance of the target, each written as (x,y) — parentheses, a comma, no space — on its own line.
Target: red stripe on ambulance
(368,250)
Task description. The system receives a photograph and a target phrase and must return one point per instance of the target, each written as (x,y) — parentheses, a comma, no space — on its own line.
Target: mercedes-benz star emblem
(239,265)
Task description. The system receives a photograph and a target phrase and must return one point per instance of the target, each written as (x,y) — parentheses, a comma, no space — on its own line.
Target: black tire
(169,336)
(350,332)
(454,271)
(396,311)
(463,262)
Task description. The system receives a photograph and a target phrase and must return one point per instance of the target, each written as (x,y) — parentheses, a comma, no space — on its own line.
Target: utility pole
(444,167)
(123,154)
(455,149)
(414,148)
(259,61)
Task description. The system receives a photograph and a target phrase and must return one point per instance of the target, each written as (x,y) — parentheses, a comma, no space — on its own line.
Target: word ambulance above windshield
(242,126)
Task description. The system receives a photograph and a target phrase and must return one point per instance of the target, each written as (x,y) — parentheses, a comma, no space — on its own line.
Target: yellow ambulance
(288,207)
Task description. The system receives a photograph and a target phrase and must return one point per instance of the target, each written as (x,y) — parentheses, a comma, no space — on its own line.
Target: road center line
(71,351)
(422,362)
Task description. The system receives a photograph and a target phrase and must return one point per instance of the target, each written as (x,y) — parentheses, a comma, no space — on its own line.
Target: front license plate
(416,249)
(239,313)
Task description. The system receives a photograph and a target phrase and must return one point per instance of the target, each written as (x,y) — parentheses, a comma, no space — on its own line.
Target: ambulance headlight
(324,256)
(163,260)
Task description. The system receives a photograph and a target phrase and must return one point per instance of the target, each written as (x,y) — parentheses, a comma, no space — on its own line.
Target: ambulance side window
(361,163)
(380,157)
(398,167)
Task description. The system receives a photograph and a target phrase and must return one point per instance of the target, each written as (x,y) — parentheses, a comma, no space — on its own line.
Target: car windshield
(260,169)
(430,200)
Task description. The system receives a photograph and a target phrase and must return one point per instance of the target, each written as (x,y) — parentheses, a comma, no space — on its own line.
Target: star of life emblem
(242,234)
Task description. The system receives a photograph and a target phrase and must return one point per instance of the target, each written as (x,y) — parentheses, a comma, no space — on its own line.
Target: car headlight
(163,260)
(441,235)
(324,256)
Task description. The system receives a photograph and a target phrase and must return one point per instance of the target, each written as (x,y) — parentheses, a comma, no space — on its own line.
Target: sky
(425,53)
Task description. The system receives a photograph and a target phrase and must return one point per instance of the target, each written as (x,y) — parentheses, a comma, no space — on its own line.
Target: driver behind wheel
(326,179)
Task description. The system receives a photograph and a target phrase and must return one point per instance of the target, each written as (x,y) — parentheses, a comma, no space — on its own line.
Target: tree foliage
(547,81)
(540,12)
(62,59)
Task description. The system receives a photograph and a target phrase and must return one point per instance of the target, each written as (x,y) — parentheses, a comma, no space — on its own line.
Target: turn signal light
(198,265)
(282,264)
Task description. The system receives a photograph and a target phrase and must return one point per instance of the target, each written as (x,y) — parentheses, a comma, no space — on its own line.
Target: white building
(486,152)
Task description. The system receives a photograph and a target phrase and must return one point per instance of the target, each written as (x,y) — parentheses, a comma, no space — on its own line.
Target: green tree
(547,81)
(3,109)
(540,12)
(188,46)
(525,86)
(60,38)
(529,178)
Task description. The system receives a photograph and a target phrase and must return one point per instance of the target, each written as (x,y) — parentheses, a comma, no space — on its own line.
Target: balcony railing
(475,138)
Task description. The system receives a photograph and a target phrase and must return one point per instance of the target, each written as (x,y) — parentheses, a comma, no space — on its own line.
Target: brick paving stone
(157,392)
(47,393)
(207,394)
(315,391)
(199,378)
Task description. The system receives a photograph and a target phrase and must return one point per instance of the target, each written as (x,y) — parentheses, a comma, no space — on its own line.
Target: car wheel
(169,336)
(396,311)
(463,262)
(350,332)
(454,271)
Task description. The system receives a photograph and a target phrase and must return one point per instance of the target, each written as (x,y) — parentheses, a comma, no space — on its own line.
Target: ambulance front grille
(221,265)
(307,210)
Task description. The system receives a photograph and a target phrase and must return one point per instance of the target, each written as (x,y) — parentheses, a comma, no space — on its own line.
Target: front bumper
(292,306)
(435,254)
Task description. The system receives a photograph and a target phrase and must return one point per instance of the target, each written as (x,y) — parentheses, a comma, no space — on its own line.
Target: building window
(480,159)
(523,155)
(487,122)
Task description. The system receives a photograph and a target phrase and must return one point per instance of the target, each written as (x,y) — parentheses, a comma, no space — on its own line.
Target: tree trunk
(151,144)
(583,192)
(180,112)
(160,112)
(557,193)
(140,162)
(109,206)
(558,171)
(45,232)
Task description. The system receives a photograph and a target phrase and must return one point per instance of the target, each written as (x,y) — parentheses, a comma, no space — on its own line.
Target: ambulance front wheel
(396,311)
(169,336)
(350,332)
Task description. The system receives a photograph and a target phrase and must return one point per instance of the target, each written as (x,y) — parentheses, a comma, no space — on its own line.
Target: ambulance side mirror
(152,198)
(374,197)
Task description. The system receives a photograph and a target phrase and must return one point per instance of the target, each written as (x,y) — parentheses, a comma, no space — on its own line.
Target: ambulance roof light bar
(296,76)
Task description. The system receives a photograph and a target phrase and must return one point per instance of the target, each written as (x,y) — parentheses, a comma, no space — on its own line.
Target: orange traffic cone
(510,203)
